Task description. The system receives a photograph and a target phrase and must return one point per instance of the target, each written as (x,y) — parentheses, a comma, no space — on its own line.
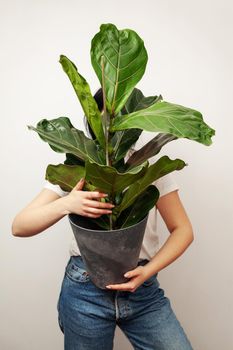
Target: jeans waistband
(140,261)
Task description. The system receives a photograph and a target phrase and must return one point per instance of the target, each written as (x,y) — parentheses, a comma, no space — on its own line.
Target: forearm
(32,221)
(175,245)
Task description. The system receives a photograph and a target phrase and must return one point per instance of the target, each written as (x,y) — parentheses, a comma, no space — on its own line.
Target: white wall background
(190,62)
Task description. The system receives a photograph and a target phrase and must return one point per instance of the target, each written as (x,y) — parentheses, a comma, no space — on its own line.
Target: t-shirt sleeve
(166,184)
(55,188)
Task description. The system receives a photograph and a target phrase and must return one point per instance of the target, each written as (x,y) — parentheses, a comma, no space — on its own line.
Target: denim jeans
(88,315)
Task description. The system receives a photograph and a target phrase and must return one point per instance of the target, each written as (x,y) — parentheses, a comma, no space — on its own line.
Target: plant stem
(105,114)
(110,221)
(106,121)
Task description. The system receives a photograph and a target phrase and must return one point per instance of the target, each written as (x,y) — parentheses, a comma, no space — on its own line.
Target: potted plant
(110,245)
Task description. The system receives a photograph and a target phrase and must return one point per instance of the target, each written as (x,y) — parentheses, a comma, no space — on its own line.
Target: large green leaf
(138,210)
(162,167)
(85,97)
(63,137)
(149,150)
(66,176)
(124,57)
(137,101)
(109,180)
(123,140)
(169,118)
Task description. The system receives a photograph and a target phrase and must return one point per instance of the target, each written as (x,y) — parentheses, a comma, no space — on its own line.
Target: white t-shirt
(150,244)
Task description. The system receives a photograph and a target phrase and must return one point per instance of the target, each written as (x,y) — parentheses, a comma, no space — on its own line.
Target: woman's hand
(137,277)
(86,203)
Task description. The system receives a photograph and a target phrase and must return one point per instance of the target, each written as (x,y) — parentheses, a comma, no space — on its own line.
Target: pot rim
(103,231)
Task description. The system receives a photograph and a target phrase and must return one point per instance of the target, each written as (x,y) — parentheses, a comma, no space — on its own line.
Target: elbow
(190,235)
(21,226)
(192,238)
(186,232)
(18,230)
(15,229)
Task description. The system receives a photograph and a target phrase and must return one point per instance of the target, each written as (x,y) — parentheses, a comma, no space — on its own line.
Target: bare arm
(48,207)
(180,228)
(181,236)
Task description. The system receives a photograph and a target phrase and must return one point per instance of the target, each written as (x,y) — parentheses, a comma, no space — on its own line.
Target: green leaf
(162,167)
(85,97)
(124,60)
(63,137)
(123,140)
(169,118)
(66,176)
(109,180)
(138,101)
(149,150)
(139,209)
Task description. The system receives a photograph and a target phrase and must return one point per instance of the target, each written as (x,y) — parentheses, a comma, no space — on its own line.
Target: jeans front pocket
(76,273)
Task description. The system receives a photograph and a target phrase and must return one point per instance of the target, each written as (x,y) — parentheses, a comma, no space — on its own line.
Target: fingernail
(109,287)
(126,275)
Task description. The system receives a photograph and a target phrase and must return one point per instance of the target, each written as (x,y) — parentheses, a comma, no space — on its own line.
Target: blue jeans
(88,315)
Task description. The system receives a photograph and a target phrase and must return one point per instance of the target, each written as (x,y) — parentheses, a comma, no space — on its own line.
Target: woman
(88,315)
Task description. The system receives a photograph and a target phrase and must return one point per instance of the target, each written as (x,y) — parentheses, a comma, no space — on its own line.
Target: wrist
(150,269)
(63,206)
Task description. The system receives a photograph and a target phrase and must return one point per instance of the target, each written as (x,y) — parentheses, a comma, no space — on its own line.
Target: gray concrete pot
(107,254)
